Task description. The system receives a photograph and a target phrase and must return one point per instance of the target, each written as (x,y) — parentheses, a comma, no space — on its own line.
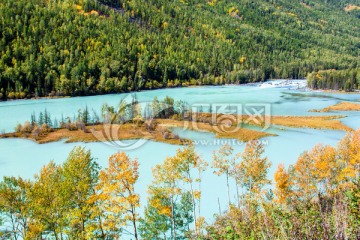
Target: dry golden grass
(220,130)
(316,122)
(343,106)
(100,133)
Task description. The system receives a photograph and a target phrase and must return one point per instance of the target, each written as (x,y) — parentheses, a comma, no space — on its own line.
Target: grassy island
(342,106)
(315,122)
(128,121)
(160,130)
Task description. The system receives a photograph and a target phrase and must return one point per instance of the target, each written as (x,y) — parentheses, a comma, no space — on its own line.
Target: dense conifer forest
(85,47)
(347,80)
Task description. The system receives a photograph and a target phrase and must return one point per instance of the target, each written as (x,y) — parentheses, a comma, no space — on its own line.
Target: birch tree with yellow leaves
(47,202)
(173,187)
(14,207)
(223,164)
(118,201)
(283,184)
(254,167)
(348,152)
(80,173)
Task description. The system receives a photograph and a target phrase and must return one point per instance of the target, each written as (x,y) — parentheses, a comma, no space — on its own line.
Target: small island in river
(342,106)
(160,130)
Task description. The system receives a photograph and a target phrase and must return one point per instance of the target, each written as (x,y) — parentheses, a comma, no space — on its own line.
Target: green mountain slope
(53,47)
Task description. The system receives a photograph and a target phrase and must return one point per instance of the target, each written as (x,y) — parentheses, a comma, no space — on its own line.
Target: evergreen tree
(33,119)
(41,119)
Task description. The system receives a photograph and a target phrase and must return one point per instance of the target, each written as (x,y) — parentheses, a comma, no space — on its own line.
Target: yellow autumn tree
(158,200)
(222,163)
(116,194)
(283,184)
(47,201)
(167,185)
(176,176)
(15,209)
(254,167)
(186,160)
(325,169)
(348,152)
(80,176)
(303,177)
(242,60)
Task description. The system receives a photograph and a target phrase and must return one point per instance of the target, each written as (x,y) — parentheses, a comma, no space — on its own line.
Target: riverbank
(280,83)
(289,84)
(335,91)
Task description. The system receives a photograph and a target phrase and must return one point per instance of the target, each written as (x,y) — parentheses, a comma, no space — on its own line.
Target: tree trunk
(55,234)
(134,222)
(237,193)
(227,185)
(103,235)
(219,206)
(323,219)
(194,207)
(173,219)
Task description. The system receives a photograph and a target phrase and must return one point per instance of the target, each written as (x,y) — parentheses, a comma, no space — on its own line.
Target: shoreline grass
(234,132)
(315,122)
(342,106)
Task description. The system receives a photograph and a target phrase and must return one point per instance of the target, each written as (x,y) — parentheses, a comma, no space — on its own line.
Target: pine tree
(33,119)
(46,117)
(41,119)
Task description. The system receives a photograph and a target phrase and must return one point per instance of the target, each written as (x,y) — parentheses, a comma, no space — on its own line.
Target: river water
(25,158)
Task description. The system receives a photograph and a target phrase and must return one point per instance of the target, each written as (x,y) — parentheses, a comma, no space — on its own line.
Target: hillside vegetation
(346,80)
(84,47)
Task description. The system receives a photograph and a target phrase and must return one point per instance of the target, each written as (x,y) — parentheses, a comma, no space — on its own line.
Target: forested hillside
(347,80)
(83,47)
